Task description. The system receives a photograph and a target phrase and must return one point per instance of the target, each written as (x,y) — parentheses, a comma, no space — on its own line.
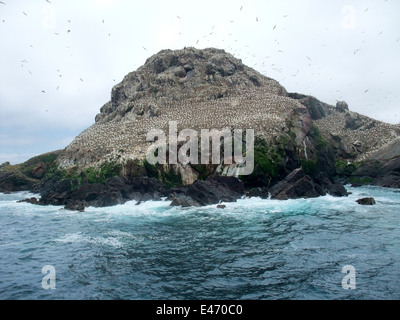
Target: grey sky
(76,51)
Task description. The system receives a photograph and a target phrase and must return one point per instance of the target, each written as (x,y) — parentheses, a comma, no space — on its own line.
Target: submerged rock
(366,201)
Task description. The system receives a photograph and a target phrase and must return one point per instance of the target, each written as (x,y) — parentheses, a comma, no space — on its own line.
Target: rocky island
(303,147)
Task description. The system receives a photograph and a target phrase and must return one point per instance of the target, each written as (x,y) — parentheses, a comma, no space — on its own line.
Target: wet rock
(203,193)
(31,201)
(76,206)
(366,201)
(296,185)
(261,192)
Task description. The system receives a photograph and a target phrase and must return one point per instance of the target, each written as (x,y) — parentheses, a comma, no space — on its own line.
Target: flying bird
(308,58)
(43,91)
(24,13)
(241,8)
(355,51)
(366,91)
(144,48)
(2,2)
(274,27)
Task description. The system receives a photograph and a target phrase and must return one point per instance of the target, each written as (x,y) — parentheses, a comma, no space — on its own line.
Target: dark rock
(221,206)
(366,201)
(203,193)
(31,201)
(56,192)
(353,121)
(315,108)
(337,190)
(4,165)
(261,192)
(342,106)
(76,206)
(39,171)
(382,167)
(184,201)
(15,181)
(115,190)
(296,185)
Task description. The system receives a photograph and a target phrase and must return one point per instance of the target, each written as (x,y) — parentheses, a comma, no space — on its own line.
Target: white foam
(79,238)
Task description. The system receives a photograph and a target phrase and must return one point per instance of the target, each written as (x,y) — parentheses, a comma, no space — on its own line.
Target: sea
(308,249)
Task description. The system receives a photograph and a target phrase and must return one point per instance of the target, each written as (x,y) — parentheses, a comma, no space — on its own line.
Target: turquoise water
(254,249)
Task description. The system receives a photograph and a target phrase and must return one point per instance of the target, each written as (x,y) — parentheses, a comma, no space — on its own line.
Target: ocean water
(254,250)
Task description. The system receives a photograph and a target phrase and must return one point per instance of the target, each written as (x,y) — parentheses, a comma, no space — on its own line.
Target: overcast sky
(60,59)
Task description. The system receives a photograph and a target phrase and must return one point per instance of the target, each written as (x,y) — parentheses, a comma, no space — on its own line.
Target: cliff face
(200,89)
(300,142)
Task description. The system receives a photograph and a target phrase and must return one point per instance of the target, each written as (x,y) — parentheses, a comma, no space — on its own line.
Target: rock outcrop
(303,147)
(299,185)
(382,168)
(366,201)
(214,190)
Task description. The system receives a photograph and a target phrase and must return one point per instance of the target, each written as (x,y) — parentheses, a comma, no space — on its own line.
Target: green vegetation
(343,168)
(309,166)
(167,176)
(26,169)
(80,177)
(152,170)
(316,134)
(171,180)
(201,169)
(268,161)
(100,175)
